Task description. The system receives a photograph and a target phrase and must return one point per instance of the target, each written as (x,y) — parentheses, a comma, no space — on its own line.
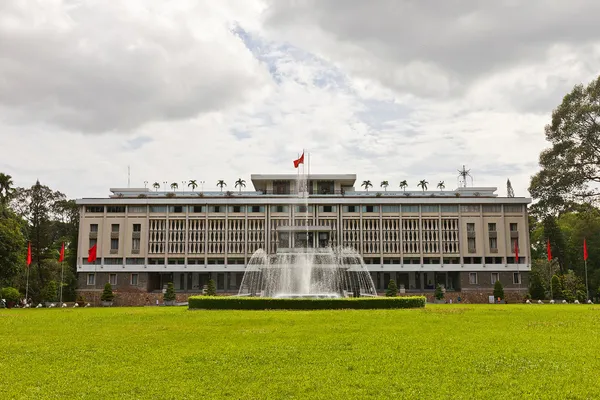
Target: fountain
(306,265)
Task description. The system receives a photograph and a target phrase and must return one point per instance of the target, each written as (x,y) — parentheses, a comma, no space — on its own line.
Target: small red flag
(92,254)
(299,161)
(61,257)
(29,254)
(549,249)
(585,254)
(517,251)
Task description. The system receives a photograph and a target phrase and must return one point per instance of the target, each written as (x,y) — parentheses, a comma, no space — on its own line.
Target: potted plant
(49,293)
(169,297)
(80,300)
(211,290)
(10,295)
(498,292)
(439,294)
(107,295)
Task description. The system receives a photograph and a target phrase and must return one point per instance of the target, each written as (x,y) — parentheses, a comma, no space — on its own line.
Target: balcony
(93,235)
(114,235)
(471,234)
(514,234)
(493,234)
(472,250)
(114,251)
(494,250)
(135,235)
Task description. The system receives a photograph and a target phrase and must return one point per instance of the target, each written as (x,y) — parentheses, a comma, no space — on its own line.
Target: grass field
(444,351)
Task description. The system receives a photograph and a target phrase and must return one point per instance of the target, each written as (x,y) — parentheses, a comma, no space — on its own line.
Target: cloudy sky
(212,90)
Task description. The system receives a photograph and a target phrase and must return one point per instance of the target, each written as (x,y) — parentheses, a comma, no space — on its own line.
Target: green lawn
(444,351)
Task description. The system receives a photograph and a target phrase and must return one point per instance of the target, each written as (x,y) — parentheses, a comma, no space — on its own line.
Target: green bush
(50,292)
(392,289)
(107,294)
(211,289)
(10,294)
(170,293)
(439,293)
(498,290)
(536,287)
(556,288)
(263,303)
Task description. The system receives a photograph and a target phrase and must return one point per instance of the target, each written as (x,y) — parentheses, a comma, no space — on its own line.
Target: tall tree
(403,185)
(384,185)
(174,186)
(192,183)
(156,186)
(367,185)
(221,183)
(12,247)
(570,169)
(6,188)
(423,184)
(39,206)
(441,185)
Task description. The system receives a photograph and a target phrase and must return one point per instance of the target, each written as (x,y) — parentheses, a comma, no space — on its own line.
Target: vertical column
(167,233)
(440,235)
(81,247)
(360,231)
(186,232)
(460,237)
(147,251)
(401,238)
(226,234)
(380,239)
(505,233)
(420,228)
(206,230)
(246,235)
(268,228)
(123,244)
(483,241)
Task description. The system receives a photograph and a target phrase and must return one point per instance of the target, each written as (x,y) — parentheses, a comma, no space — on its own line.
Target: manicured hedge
(260,303)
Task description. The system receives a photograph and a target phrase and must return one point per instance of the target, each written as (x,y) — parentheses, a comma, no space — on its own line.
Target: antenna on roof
(463,175)
(128,176)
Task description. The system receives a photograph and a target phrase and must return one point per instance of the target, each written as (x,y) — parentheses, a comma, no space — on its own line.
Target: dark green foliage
(498,290)
(107,294)
(12,246)
(556,287)
(50,292)
(170,293)
(260,303)
(211,289)
(10,294)
(439,292)
(392,289)
(536,287)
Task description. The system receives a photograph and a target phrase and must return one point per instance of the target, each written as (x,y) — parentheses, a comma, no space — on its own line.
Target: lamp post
(183,185)
(202,186)
(145,184)
(165,185)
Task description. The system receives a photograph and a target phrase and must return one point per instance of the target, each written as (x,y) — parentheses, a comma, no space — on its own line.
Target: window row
(494,277)
(134,279)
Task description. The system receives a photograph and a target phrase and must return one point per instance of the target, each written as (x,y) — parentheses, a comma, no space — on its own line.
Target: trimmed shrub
(264,303)
(536,287)
(556,288)
(10,294)
(498,290)
(170,293)
(211,289)
(439,292)
(50,292)
(392,289)
(107,294)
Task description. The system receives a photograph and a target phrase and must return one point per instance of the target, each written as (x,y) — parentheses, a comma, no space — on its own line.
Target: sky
(209,90)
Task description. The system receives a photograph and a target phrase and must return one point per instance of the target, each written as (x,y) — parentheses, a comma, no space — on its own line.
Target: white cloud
(214,90)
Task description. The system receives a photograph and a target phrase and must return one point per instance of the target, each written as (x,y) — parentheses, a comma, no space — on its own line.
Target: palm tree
(192,183)
(156,186)
(384,185)
(221,183)
(403,185)
(367,185)
(174,186)
(240,183)
(6,189)
(423,184)
(441,185)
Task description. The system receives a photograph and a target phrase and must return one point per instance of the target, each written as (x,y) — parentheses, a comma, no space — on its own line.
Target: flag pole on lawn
(28,267)
(549,251)
(61,259)
(585,257)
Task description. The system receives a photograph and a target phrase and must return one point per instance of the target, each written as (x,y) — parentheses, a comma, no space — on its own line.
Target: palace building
(463,239)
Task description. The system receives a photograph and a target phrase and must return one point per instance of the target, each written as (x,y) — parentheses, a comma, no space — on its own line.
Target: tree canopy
(570,169)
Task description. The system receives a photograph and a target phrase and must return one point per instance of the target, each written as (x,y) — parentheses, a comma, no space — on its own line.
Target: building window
(370,209)
(136,209)
(514,243)
(176,209)
(511,208)
(495,277)
(390,209)
(469,208)
(114,244)
(94,209)
(135,244)
(134,261)
(351,209)
(114,228)
(137,227)
(112,261)
(255,209)
(449,209)
(471,237)
(112,279)
(470,227)
(91,279)
(236,209)
(158,209)
(327,209)
(198,209)
(134,279)
(93,242)
(493,243)
(115,209)
(514,227)
(492,227)
(430,209)
(216,209)
(410,209)
(303,209)
(492,208)
(94,228)
(472,278)
(280,209)
(517,278)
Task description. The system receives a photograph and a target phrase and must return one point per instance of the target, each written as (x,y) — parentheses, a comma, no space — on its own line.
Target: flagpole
(27,285)
(62,273)
(587,290)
